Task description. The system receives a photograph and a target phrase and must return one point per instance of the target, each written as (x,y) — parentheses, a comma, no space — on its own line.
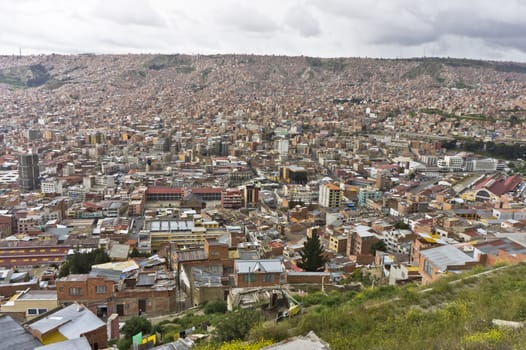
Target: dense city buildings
(191,179)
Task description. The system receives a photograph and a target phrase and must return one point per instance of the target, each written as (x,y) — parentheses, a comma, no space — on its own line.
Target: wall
(259,280)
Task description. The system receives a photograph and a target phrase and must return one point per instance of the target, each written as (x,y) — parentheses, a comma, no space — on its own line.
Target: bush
(215,307)
(236,325)
(135,325)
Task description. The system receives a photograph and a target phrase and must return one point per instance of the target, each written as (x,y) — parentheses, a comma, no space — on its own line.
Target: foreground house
(14,336)
(258,273)
(139,292)
(67,323)
(435,262)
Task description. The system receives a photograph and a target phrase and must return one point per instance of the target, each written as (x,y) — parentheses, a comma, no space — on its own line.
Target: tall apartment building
(28,172)
(283,147)
(232,198)
(331,196)
(368,193)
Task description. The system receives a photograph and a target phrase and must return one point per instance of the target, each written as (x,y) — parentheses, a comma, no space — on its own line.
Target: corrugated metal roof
(266,265)
(72,344)
(14,336)
(145,279)
(444,256)
(72,321)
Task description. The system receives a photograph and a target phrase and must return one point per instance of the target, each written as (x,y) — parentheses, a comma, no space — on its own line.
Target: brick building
(142,292)
(258,273)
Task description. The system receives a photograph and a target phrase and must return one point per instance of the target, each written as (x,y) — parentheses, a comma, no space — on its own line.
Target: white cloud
(301,19)
(385,28)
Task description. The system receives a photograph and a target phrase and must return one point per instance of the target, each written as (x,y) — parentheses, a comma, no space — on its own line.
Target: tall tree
(81,262)
(311,255)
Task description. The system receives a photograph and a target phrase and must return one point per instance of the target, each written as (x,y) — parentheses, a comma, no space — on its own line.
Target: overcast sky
(487,29)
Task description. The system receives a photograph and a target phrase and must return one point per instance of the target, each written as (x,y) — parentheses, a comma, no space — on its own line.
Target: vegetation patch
(25,76)
(166,61)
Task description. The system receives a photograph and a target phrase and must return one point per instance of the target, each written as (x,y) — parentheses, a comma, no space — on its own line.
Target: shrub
(214,307)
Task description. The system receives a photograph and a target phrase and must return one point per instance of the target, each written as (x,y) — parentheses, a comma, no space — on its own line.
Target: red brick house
(258,273)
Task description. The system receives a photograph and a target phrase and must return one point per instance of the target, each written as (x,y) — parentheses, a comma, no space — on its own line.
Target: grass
(453,315)
(456,312)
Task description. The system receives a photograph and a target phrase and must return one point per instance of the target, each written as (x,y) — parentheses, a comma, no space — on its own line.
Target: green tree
(379,245)
(311,255)
(80,263)
(401,225)
(135,325)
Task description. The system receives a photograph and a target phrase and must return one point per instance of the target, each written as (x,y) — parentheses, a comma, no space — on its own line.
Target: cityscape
(261,201)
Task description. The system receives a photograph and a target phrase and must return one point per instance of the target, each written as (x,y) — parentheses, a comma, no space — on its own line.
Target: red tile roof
(499,185)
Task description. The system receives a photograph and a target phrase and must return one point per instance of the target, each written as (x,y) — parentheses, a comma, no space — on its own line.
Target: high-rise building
(28,173)
(331,196)
(283,147)
(251,195)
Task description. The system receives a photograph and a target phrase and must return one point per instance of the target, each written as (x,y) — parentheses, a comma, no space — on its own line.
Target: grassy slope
(450,316)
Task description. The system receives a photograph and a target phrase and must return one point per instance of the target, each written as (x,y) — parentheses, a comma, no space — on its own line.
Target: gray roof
(179,344)
(72,344)
(119,251)
(309,342)
(444,256)
(71,321)
(146,279)
(39,295)
(14,336)
(203,278)
(264,265)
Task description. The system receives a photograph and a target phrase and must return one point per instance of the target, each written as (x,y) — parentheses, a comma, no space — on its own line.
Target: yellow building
(28,304)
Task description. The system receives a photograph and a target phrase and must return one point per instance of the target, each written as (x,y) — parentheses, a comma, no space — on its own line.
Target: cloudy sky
(487,29)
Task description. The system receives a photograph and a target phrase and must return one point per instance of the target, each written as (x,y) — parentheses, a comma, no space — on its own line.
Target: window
(75,291)
(101,289)
(249,278)
(35,312)
(428,268)
(268,278)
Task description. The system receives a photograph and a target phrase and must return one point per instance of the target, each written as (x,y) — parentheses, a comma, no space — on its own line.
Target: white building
(453,163)
(283,147)
(51,186)
(482,165)
(331,196)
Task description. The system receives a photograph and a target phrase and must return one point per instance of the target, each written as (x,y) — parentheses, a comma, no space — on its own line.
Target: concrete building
(331,196)
(293,174)
(365,194)
(482,165)
(250,195)
(452,163)
(28,172)
(338,244)
(231,198)
(361,240)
